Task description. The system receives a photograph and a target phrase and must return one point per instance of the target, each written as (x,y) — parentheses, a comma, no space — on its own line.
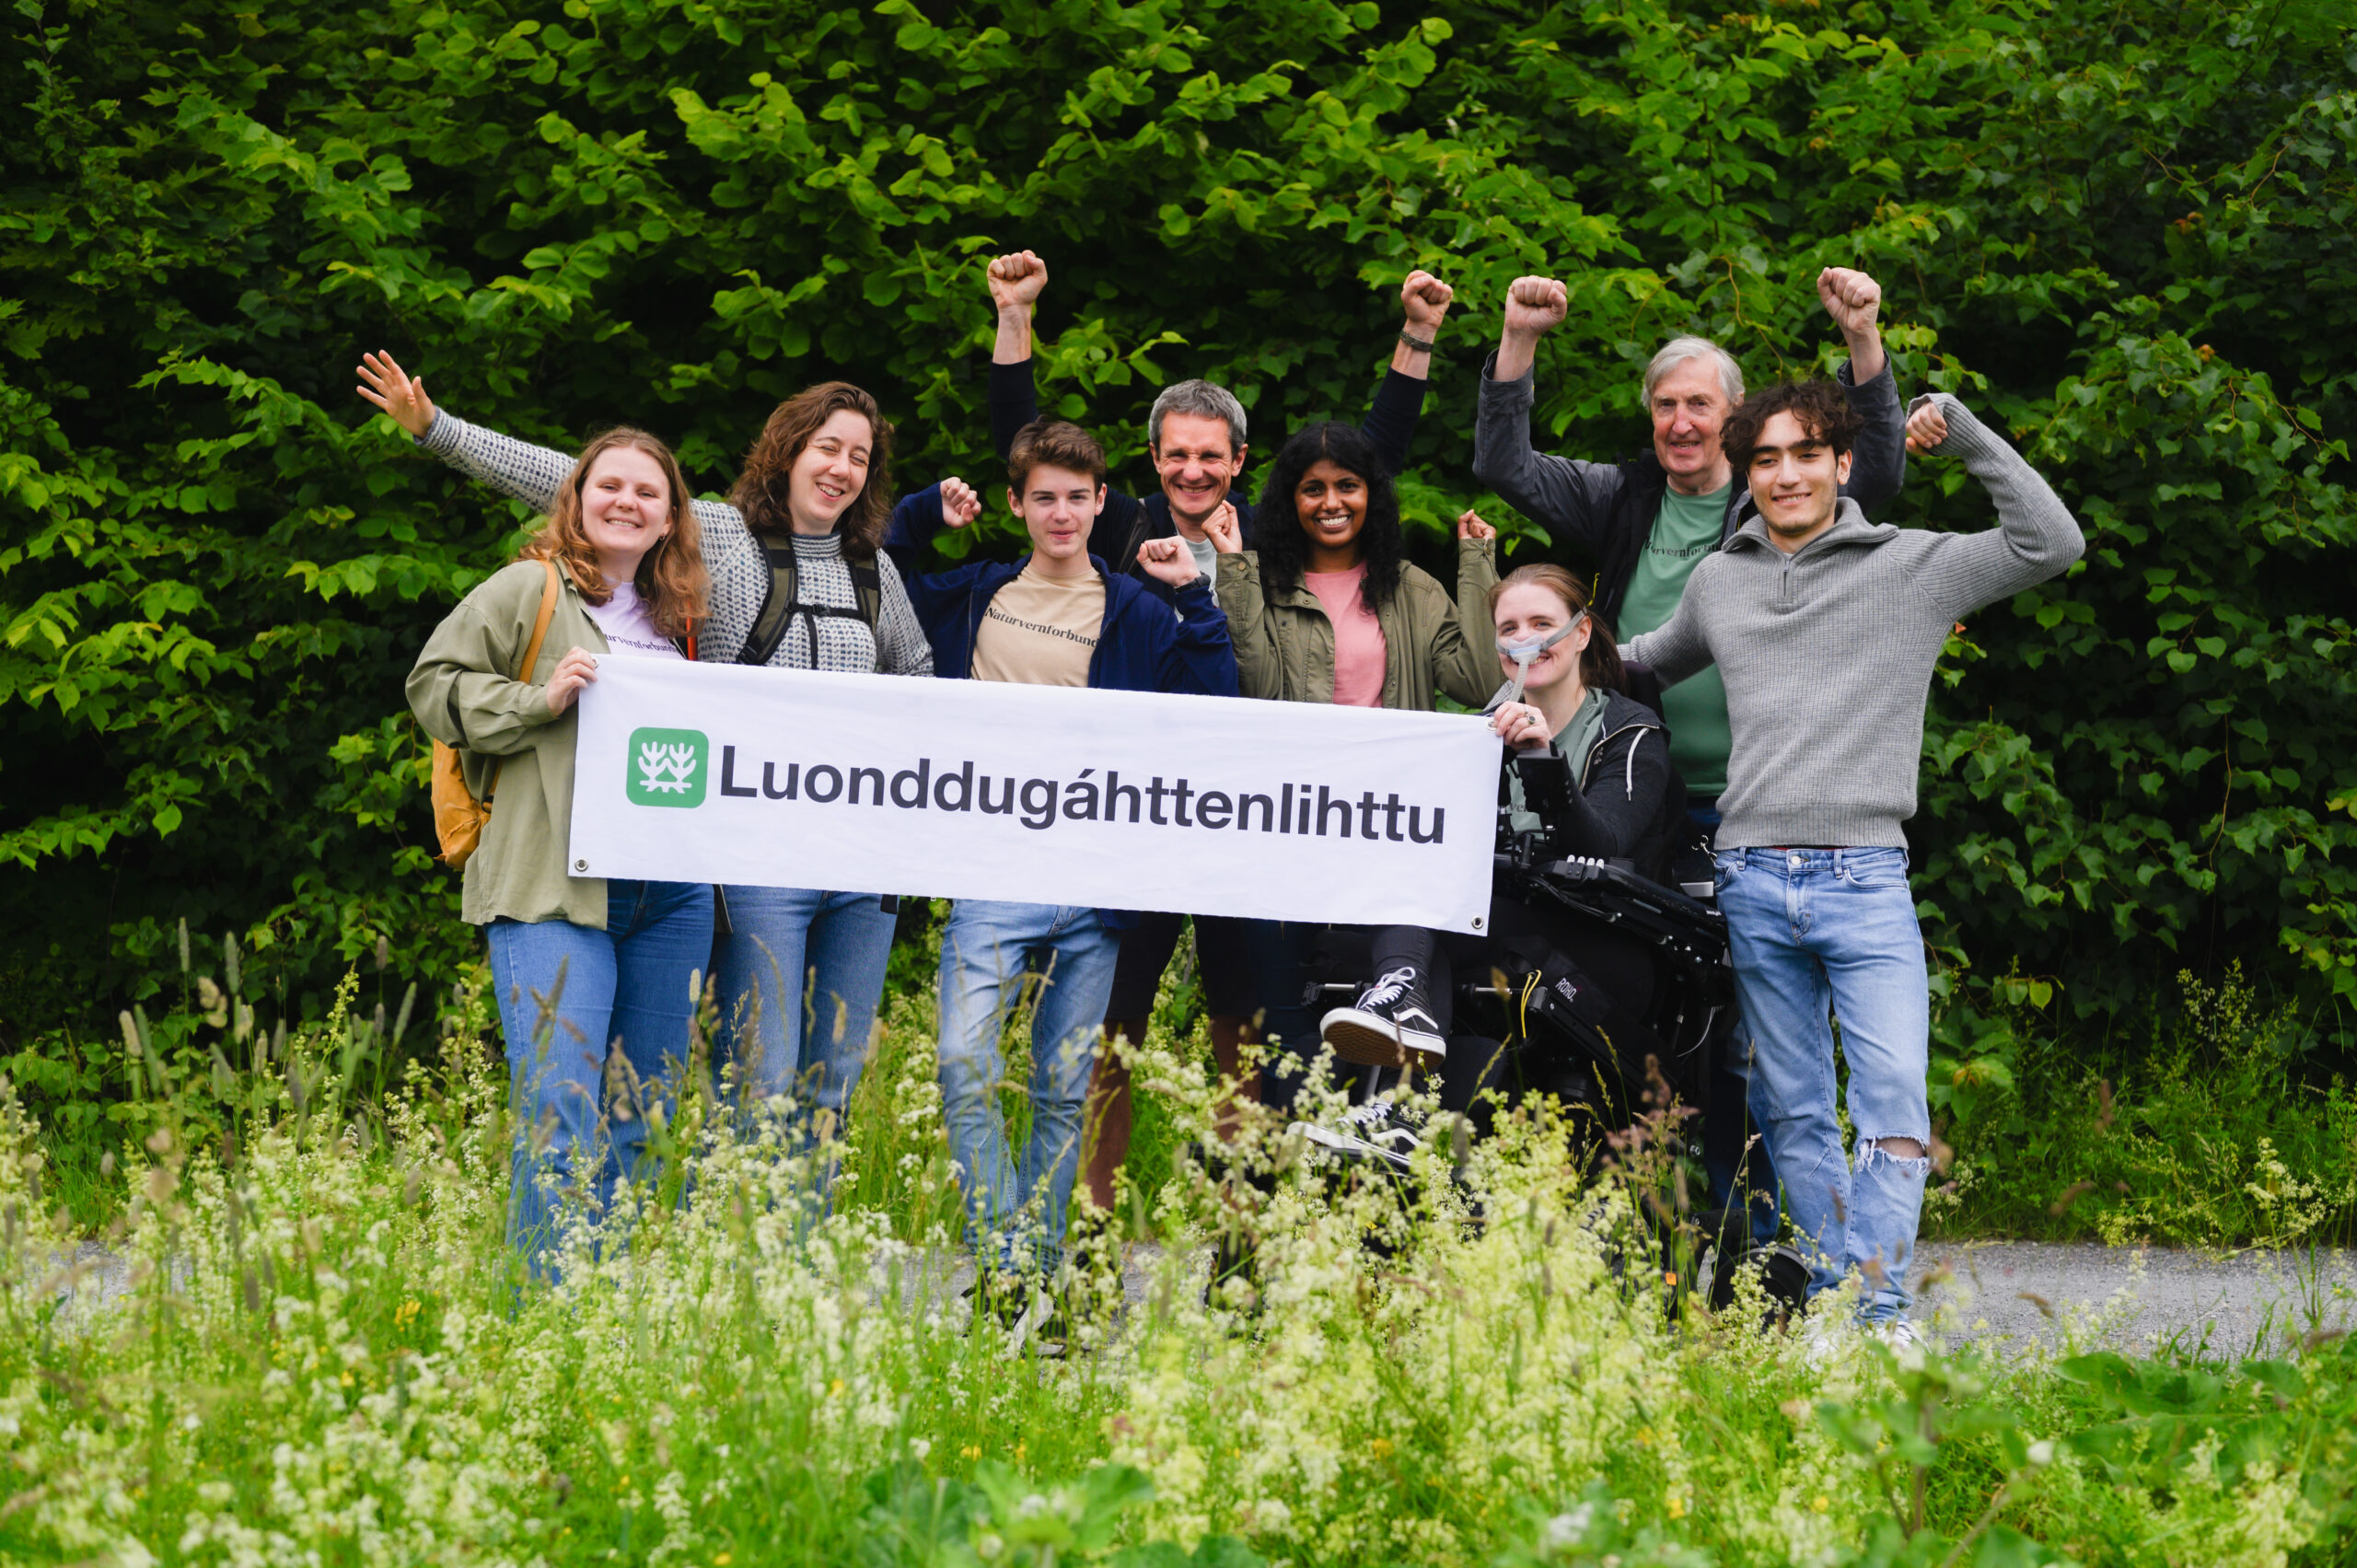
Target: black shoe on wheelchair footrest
(1389,1026)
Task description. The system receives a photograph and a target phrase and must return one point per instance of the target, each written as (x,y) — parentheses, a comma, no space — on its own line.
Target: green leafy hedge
(2125,230)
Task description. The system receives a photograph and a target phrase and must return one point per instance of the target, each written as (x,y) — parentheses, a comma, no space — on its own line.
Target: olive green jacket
(464,694)
(1285,643)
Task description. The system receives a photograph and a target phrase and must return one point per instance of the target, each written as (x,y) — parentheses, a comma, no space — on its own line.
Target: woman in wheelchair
(1615,798)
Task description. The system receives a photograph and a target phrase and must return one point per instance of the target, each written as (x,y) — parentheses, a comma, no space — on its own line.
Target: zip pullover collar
(1850,527)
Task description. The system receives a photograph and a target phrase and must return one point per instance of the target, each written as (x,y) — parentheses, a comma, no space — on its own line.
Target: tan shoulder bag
(458,817)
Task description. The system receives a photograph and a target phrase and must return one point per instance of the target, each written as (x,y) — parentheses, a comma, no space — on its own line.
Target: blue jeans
(986,950)
(799,978)
(1820,933)
(568,996)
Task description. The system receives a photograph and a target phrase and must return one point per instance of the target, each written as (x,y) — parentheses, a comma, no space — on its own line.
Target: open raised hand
(1016,280)
(959,504)
(383,382)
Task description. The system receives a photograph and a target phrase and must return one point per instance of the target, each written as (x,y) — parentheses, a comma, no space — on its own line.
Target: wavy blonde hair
(672,579)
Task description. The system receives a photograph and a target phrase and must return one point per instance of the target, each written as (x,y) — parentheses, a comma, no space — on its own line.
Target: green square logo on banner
(668,766)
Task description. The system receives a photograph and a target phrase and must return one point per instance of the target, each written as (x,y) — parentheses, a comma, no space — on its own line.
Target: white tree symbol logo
(668,768)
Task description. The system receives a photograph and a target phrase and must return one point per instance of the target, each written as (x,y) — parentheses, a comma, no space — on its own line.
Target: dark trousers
(1734,1158)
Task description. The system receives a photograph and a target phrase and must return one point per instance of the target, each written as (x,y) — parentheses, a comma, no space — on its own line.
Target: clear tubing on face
(1523,653)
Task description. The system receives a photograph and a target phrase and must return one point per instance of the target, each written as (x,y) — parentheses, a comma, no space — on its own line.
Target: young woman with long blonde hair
(592,976)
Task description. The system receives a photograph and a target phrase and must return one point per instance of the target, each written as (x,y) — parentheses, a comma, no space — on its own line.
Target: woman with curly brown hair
(577,962)
(797,583)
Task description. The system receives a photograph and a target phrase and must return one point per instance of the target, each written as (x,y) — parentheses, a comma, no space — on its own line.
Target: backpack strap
(777,605)
(782,603)
(531,657)
(867,587)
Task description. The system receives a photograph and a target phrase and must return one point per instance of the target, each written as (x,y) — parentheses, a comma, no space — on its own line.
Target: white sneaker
(1386,1028)
(1824,1335)
(1378,1131)
(1898,1333)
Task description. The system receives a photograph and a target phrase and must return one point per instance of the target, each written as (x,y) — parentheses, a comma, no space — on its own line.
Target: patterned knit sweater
(740,572)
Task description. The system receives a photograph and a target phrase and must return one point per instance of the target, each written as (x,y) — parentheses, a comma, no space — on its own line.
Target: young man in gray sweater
(1825,628)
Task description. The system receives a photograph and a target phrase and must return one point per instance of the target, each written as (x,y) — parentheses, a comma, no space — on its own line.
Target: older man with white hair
(1641,526)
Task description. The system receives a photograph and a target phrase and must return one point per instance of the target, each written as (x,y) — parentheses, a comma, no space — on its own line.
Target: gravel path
(2135,1299)
(2003,1293)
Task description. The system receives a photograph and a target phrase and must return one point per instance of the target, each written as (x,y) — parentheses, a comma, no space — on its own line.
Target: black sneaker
(1390,1028)
(1379,1132)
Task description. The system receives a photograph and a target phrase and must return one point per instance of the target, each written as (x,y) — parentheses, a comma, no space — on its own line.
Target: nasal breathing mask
(1523,653)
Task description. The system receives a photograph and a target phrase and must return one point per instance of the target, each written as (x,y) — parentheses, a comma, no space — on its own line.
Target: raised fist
(1226,533)
(1537,305)
(1926,427)
(1852,298)
(1169,561)
(1470,526)
(1426,300)
(959,504)
(1016,279)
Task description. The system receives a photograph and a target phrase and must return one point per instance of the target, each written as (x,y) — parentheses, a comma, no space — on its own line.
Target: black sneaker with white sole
(1388,1027)
(1378,1132)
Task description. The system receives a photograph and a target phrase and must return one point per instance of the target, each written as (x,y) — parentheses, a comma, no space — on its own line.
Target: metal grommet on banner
(1477,922)
(581,866)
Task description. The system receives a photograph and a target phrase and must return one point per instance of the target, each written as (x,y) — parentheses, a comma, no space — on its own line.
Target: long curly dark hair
(759,489)
(1277,532)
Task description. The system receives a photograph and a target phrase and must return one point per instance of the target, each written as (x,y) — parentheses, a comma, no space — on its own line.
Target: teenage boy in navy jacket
(1057,618)
(1195,435)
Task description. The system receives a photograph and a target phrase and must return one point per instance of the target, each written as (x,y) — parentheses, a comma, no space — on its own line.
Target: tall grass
(314,1347)
(2213,1130)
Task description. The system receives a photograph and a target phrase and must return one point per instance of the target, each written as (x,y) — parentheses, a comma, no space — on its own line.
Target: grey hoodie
(1828,653)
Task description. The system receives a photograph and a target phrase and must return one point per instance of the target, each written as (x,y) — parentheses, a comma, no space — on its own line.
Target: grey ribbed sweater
(1828,653)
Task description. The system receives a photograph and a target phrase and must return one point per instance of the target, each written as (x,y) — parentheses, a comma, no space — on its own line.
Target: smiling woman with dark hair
(1329,609)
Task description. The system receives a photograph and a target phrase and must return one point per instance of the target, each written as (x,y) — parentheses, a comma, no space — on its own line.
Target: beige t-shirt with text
(1041,631)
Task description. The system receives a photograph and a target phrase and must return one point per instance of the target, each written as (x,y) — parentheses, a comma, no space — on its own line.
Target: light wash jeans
(568,994)
(986,950)
(1819,934)
(809,965)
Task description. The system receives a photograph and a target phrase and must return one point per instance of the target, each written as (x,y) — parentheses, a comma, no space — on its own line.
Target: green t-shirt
(1685,529)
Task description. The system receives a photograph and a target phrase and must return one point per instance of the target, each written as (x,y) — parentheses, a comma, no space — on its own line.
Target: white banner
(974,789)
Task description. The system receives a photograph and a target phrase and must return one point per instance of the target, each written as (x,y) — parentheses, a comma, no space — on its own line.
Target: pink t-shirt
(1358,637)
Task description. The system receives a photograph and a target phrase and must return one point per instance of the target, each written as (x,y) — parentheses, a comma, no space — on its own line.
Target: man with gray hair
(1195,435)
(1195,432)
(1641,526)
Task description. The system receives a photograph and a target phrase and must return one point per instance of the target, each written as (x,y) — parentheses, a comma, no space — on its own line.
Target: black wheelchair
(1532,1020)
